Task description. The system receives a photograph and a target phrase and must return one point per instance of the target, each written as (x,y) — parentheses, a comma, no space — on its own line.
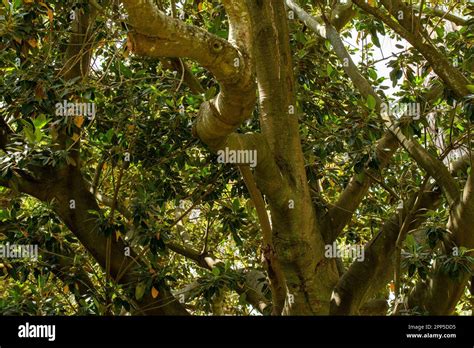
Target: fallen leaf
(154,292)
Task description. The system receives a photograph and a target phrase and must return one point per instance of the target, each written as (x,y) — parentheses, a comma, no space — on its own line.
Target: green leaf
(327,43)
(4,215)
(469,111)
(375,38)
(360,177)
(38,135)
(109,135)
(40,121)
(170,103)
(372,74)
(26,109)
(371,102)
(410,241)
(235,204)
(329,69)
(140,291)
(242,298)
(30,135)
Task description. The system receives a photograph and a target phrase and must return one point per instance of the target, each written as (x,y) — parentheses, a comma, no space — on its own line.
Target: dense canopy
(251,157)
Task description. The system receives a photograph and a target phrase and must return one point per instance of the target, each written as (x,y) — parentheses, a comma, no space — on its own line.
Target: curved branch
(340,214)
(156,35)
(364,279)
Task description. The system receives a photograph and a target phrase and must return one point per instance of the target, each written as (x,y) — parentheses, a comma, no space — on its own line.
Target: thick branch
(364,279)
(157,35)
(298,242)
(451,76)
(340,214)
(426,295)
(346,205)
(339,17)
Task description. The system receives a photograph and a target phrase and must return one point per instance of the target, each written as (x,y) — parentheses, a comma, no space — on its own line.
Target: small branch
(275,273)
(450,75)
(381,183)
(443,15)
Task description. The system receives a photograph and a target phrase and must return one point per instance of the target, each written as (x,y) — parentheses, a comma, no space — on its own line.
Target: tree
(234,151)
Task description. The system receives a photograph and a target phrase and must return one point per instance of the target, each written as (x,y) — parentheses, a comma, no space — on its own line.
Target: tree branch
(426,295)
(156,35)
(450,75)
(437,12)
(432,165)
(341,213)
(251,287)
(364,279)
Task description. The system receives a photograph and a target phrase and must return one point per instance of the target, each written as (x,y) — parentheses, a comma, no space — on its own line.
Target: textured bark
(59,188)
(364,279)
(296,235)
(60,185)
(426,296)
(230,62)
